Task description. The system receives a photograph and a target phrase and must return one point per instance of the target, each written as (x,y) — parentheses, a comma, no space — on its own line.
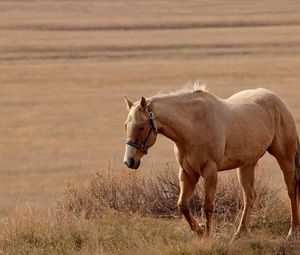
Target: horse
(212,134)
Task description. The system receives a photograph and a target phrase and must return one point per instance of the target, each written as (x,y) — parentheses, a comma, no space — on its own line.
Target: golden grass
(100,218)
(118,233)
(66,65)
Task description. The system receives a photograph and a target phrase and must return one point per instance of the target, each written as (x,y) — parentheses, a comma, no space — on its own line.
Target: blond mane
(190,87)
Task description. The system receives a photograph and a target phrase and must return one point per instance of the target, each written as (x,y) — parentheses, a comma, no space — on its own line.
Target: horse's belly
(233,163)
(244,151)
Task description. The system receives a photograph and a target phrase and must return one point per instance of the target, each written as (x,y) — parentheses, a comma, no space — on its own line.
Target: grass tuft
(120,212)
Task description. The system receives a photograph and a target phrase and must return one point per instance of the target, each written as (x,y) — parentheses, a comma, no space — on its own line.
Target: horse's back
(259,96)
(261,100)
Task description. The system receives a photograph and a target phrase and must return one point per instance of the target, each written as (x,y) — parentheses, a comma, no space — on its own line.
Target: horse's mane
(189,88)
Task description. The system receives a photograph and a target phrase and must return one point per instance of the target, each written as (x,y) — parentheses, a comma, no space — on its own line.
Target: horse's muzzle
(131,163)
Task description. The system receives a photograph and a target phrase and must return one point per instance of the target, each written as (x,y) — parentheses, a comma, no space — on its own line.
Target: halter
(144,147)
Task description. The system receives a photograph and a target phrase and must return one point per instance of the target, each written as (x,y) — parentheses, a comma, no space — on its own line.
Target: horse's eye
(141,128)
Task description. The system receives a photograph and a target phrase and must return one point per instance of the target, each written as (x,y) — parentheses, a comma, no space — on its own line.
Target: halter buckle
(151,115)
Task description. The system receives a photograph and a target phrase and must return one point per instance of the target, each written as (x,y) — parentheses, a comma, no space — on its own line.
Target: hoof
(200,229)
(294,233)
(234,238)
(240,234)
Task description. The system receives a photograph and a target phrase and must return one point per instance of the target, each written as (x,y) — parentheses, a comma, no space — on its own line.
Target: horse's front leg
(187,187)
(210,184)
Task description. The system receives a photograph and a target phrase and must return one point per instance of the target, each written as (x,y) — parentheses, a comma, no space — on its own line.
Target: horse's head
(141,132)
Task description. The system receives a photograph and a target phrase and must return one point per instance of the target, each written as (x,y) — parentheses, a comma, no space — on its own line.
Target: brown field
(66,65)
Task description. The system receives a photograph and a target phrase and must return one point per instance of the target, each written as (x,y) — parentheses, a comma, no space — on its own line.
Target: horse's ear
(128,103)
(143,104)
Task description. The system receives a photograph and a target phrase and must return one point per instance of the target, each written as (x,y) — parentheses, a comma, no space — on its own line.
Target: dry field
(123,213)
(66,65)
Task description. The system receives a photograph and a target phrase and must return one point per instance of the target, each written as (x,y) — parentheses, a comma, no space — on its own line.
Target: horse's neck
(170,119)
(175,114)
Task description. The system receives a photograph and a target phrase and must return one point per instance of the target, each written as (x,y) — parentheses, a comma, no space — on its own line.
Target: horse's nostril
(131,162)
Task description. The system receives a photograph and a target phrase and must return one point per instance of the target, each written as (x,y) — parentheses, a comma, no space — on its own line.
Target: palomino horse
(211,134)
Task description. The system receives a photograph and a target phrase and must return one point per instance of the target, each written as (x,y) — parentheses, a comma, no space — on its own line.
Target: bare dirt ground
(66,65)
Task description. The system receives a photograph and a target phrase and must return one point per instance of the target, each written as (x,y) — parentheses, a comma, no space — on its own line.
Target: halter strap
(144,147)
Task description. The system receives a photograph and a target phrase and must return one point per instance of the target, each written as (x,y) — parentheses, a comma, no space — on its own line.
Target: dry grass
(64,69)
(121,213)
(130,192)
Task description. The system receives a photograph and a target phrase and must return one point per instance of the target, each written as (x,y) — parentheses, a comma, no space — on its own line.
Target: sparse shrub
(104,217)
(128,191)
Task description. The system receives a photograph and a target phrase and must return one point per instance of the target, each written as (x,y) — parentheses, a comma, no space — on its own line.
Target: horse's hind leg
(210,184)
(187,188)
(246,178)
(288,169)
(284,151)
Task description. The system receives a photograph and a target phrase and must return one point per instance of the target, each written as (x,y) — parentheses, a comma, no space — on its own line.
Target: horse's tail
(297,165)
